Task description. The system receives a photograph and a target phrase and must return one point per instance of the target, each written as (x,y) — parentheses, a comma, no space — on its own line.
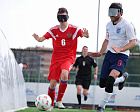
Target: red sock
(62,88)
(51,93)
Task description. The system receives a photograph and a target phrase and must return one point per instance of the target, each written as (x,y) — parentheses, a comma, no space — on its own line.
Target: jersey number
(107,34)
(63,43)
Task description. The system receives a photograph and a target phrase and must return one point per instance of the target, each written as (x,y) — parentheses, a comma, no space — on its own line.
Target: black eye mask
(62,18)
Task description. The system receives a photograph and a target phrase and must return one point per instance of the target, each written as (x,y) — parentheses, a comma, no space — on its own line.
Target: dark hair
(62,10)
(25,63)
(84,47)
(116,4)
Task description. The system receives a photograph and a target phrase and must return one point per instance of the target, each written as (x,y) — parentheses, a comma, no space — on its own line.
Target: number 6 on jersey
(63,43)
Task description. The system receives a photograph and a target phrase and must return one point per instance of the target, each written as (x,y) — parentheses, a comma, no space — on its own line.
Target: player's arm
(85,33)
(95,73)
(131,44)
(75,65)
(39,39)
(98,54)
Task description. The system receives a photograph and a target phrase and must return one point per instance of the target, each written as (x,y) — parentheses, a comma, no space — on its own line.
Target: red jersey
(64,42)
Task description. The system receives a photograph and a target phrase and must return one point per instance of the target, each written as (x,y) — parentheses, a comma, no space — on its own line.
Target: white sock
(119,79)
(105,99)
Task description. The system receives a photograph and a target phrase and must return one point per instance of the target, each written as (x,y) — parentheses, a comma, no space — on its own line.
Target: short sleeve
(130,32)
(47,35)
(76,63)
(94,63)
(79,34)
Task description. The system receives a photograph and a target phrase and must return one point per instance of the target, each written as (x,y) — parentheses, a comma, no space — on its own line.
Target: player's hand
(95,76)
(116,49)
(95,54)
(36,36)
(85,33)
(77,69)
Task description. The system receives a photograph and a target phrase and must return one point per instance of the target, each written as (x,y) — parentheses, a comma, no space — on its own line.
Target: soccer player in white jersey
(120,37)
(23,66)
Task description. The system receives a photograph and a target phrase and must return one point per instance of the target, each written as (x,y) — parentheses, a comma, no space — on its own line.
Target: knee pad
(109,84)
(102,83)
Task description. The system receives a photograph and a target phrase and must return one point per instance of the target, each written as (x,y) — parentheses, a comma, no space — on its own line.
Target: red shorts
(56,69)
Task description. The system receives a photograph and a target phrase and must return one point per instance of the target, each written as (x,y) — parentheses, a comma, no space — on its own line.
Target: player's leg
(109,86)
(65,67)
(78,83)
(86,84)
(121,80)
(62,87)
(85,93)
(105,71)
(54,77)
(63,84)
(108,89)
(51,92)
(79,89)
(121,62)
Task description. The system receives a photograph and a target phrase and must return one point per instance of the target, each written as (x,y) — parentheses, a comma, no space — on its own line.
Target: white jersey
(119,35)
(21,66)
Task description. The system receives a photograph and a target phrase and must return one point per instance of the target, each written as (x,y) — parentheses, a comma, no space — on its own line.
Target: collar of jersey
(65,28)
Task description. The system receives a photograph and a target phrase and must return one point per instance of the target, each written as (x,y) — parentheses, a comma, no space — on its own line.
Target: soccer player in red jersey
(64,37)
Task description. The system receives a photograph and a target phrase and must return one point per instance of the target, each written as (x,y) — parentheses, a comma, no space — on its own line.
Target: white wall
(12,85)
(128,96)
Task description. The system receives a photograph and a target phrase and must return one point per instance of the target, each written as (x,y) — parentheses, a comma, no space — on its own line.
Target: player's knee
(78,92)
(85,93)
(64,75)
(102,83)
(109,84)
(53,84)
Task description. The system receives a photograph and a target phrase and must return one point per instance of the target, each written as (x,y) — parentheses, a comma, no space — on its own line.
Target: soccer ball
(43,102)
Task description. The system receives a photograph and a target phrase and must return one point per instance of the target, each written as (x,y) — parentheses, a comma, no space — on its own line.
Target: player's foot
(59,105)
(79,107)
(50,109)
(85,98)
(121,84)
(100,109)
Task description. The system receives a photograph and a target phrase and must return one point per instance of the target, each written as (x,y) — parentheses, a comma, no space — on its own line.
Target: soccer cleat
(100,109)
(121,84)
(50,109)
(85,98)
(79,107)
(59,105)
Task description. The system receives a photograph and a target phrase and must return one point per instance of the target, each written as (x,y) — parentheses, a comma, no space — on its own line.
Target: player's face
(25,66)
(85,51)
(115,18)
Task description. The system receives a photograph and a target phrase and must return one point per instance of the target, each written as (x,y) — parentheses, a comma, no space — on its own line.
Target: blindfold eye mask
(62,18)
(114,10)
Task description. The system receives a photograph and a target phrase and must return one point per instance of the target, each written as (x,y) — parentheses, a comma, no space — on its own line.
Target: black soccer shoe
(85,98)
(121,84)
(100,109)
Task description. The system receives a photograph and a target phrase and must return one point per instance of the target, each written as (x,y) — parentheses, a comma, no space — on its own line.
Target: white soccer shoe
(59,105)
(50,109)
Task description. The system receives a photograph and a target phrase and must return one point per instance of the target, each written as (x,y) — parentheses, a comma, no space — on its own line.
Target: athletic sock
(61,91)
(119,79)
(105,99)
(51,93)
(79,99)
